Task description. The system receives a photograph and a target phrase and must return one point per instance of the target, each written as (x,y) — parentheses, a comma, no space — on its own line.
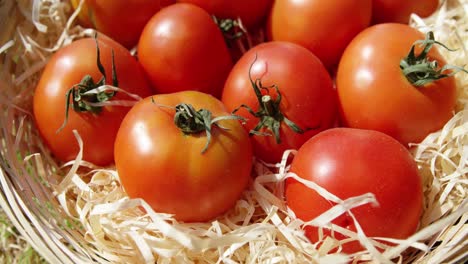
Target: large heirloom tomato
(383,86)
(123,21)
(181,48)
(165,155)
(350,162)
(70,68)
(323,27)
(399,11)
(286,95)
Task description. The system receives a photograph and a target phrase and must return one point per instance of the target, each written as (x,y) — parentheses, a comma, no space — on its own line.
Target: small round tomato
(181,48)
(163,155)
(350,162)
(323,27)
(288,97)
(250,12)
(375,93)
(97,127)
(399,11)
(118,19)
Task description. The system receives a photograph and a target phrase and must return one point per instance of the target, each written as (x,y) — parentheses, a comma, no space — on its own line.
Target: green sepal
(269,111)
(420,70)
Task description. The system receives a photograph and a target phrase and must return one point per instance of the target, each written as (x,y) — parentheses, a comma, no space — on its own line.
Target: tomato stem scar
(81,100)
(192,121)
(230,28)
(420,70)
(269,112)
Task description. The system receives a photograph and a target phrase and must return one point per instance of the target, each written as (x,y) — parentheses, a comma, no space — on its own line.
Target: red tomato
(156,161)
(117,19)
(250,12)
(350,162)
(399,11)
(307,96)
(324,27)
(375,94)
(65,70)
(179,56)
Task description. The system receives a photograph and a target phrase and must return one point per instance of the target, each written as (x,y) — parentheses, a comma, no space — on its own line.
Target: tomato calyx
(84,96)
(420,70)
(269,112)
(232,29)
(192,121)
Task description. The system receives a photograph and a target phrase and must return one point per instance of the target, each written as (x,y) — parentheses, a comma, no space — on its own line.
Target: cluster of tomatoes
(209,107)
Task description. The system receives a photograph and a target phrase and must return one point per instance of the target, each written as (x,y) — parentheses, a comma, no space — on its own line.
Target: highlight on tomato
(67,98)
(123,21)
(323,27)
(399,11)
(286,95)
(181,48)
(351,162)
(401,86)
(184,154)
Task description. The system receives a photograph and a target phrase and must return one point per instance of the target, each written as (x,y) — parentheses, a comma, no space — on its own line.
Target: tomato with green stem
(286,95)
(323,27)
(394,85)
(178,56)
(350,162)
(66,98)
(184,154)
(118,19)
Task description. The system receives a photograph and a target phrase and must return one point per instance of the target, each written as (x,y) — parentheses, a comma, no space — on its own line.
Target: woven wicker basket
(82,215)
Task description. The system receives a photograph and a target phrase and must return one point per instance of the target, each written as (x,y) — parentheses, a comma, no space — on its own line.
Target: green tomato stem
(191,121)
(269,111)
(420,70)
(82,101)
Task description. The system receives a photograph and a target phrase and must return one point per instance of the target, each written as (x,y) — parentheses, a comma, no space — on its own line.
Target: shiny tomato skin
(252,13)
(118,19)
(177,55)
(350,162)
(160,164)
(323,27)
(65,69)
(374,94)
(308,97)
(399,11)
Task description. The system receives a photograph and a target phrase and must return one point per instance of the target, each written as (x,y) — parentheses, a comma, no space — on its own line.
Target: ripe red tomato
(307,96)
(399,11)
(177,55)
(375,94)
(250,12)
(65,70)
(351,162)
(158,162)
(117,19)
(324,27)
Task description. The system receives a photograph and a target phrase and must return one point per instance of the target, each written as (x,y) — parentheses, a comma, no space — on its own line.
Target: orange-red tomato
(350,162)
(181,48)
(375,94)
(156,161)
(123,21)
(67,68)
(252,13)
(399,11)
(324,27)
(307,95)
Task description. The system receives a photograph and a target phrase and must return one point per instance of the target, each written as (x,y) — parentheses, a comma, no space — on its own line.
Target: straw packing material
(77,212)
